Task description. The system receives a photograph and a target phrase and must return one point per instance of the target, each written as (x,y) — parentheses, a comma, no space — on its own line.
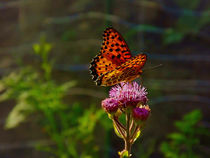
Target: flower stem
(134,134)
(118,123)
(131,125)
(120,130)
(127,140)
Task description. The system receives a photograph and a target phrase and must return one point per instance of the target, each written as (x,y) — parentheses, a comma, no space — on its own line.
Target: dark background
(172,33)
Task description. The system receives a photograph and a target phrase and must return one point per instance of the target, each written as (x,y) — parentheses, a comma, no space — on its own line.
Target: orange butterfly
(114,63)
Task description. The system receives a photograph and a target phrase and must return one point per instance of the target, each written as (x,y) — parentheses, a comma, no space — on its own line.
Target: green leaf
(6,95)
(189,121)
(168,151)
(183,142)
(2,86)
(47,47)
(37,48)
(193,116)
(178,138)
(18,114)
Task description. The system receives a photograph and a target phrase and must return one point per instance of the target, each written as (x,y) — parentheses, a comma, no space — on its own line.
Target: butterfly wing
(113,53)
(126,72)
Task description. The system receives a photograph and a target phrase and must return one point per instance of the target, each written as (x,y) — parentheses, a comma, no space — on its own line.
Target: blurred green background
(50,107)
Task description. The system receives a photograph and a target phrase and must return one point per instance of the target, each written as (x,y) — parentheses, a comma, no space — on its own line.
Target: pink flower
(129,94)
(110,105)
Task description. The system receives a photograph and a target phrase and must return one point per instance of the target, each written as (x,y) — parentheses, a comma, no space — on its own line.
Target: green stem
(53,131)
(127,140)
(134,134)
(131,125)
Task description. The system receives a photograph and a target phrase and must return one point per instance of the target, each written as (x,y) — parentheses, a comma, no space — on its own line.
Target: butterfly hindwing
(126,72)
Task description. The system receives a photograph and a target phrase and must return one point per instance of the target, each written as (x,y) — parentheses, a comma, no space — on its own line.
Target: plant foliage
(185,142)
(70,128)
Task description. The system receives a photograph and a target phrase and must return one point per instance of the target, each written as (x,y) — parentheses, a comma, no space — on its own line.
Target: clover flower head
(129,94)
(110,105)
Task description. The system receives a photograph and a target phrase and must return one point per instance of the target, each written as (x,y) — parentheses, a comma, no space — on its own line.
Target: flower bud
(141,113)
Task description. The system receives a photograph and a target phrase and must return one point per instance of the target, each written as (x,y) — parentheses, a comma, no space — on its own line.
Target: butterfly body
(114,63)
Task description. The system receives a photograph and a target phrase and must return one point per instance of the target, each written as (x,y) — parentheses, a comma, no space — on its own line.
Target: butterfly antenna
(154,67)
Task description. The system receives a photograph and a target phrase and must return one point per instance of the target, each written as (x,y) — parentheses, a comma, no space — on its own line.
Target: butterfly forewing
(115,47)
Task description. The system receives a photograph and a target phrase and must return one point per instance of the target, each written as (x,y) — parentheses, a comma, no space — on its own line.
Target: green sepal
(114,114)
(116,131)
(136,136)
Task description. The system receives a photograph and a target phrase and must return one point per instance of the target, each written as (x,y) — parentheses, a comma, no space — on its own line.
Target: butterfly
(114,63)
